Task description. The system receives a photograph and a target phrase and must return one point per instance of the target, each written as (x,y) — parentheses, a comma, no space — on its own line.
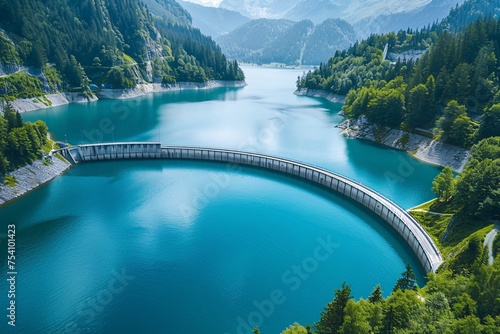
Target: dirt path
(431,212)
(6,75)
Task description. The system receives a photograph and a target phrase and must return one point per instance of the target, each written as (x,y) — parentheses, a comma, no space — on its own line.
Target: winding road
(488,241)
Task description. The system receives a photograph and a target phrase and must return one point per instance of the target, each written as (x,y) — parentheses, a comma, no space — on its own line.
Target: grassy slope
(453,233)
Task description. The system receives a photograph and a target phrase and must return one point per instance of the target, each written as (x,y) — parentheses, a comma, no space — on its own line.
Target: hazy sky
(213,3)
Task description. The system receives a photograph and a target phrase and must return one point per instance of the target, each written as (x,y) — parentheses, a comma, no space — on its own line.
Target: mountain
(358,10)
(316,10)
(118,43)
(214,21)
(469,11)
(260,8)
(434,11)
(326,38)
(169,10)
(288,47)
(283,41)
(319,10)
(367,16)
(247,42)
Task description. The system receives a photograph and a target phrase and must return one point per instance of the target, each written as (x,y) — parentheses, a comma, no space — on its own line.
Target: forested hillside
(459,72)
(247,42)
(326,38)
(287,47)
(110,42)
(470,11)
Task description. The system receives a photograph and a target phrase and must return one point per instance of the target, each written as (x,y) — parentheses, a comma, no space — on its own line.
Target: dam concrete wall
(407,226)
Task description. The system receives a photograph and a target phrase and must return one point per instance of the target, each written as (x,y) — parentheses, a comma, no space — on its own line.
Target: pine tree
(333,318)
(408,280)
(490,123)
(13,117)
(390,321)
(376,295)
(419,114)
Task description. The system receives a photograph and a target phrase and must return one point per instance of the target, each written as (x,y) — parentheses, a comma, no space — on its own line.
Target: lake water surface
(195,247)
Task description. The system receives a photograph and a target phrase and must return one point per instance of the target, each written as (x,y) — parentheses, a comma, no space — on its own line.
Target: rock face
(6,69)
(31,177)
(51,100)
(320,94)
(428,149)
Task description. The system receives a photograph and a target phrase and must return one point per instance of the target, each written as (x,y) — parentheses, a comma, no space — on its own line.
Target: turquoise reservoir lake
(195,247)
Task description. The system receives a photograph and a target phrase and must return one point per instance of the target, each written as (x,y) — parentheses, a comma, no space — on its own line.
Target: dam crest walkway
(408,227)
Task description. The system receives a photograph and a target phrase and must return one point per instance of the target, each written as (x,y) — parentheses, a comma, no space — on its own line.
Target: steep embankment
(30,177)
(50,100)
(320,94)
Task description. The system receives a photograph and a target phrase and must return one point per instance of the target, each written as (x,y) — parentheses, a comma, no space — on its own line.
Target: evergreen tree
(13,117)
(490,123)
(390,321)
(376,295)
(431,89)
(419,113)
(355,318)
(333,317)
(408,280)
(478,188)
(86,39)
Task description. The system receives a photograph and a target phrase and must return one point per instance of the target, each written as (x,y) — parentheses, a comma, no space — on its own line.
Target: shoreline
(422,148)
(63,98)
(31,177)
(145,89)
(417,146)
(321,94)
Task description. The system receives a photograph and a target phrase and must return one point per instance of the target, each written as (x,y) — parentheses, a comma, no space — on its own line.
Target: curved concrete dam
(407,226)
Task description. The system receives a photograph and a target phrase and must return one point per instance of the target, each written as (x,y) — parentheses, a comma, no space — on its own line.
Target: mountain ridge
(319,10)
(265,41)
